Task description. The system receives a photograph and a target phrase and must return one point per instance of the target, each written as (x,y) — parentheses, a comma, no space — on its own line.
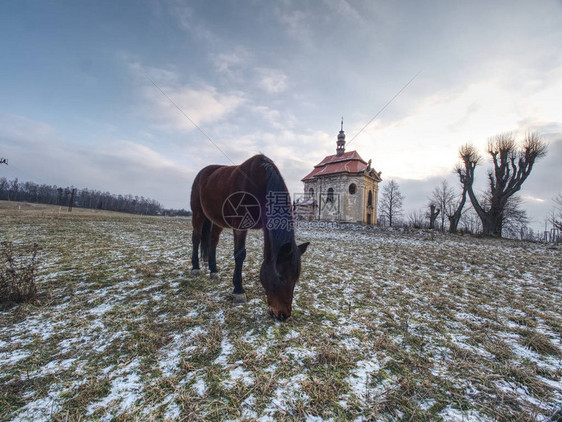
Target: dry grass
(385,326)
(538,342)
(17,274)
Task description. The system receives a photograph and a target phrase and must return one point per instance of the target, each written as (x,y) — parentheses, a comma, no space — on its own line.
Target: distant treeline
(14,190)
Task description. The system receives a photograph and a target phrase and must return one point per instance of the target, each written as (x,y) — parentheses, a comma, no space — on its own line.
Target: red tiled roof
(348,162)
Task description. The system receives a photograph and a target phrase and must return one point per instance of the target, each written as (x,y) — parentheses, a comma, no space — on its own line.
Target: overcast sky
(77,105)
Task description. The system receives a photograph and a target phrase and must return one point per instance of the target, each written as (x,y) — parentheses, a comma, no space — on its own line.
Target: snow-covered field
(385,326)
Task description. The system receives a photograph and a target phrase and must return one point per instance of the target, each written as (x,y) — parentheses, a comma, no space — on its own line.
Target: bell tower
(340,149)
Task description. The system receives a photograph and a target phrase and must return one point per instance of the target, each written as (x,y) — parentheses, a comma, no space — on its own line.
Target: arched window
(311,193)
(352,188)
(330,197)
(370,199)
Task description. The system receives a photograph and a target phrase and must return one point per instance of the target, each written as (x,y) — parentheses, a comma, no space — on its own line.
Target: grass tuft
(538,342)
(17,274)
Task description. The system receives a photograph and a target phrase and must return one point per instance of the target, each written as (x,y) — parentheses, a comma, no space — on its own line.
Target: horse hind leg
(198,222)
(214,240)
(195,239)
(205,239)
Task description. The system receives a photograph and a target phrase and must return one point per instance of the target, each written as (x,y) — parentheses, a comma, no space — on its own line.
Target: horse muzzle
(279,315)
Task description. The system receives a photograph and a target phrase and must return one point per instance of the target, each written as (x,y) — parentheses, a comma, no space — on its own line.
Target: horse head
(279,275)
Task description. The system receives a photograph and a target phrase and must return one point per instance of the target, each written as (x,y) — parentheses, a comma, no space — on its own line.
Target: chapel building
(342,187)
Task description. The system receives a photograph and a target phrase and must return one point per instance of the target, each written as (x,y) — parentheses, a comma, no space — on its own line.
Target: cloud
(182,106)
(272,81)
(38,153)
(14,126)
(157,74)
(187,20)
(175,106)
(233,64)
(297,26)
(531,198)
(425,142)
(344,9)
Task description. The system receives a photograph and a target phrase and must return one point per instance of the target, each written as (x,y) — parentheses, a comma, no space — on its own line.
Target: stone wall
(346,206)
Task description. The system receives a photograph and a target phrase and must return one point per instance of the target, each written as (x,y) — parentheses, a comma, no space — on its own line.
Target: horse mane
(281,230)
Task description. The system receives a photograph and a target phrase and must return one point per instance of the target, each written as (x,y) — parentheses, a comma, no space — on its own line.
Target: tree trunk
(433,216)
(456,217)
(492,223)
(454,222)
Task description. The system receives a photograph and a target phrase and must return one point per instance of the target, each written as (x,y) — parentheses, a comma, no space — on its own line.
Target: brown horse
(252,195)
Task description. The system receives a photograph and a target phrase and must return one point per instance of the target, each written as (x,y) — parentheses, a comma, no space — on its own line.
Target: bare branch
(533,146)
(558,200)
(468,153)
(502,144)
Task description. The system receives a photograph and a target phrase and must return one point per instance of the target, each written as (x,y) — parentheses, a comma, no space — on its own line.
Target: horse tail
(205,239)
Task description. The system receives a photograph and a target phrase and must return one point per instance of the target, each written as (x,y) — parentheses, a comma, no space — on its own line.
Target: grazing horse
(251,195)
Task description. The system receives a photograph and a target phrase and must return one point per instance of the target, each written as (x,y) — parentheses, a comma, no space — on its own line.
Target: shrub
(17,274)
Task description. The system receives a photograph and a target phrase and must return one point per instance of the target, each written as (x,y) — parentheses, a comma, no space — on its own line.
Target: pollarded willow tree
(470,158)
(513,163)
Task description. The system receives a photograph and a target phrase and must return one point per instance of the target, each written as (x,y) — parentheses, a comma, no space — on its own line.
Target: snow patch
(102,309)
(200,386)
(226,351)
(10,358)
(125,388)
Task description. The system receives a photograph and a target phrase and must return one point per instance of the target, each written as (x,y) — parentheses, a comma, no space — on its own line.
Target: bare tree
(442,198)
(470,222)
(4,188)
(558,214)
(432,215)
(416,219)
(512,166)
(13,190)
(391,202)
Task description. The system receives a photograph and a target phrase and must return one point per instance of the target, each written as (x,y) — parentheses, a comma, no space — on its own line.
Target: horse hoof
(195,272)
(215,276)
(239,298)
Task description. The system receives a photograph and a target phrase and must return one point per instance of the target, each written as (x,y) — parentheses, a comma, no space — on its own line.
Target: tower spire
(340,148)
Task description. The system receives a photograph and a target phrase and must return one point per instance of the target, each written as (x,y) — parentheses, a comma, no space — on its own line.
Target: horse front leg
(215,235)
(239,257)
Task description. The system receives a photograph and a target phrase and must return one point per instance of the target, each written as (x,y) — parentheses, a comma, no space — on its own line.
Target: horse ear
(302,247)
(285,252)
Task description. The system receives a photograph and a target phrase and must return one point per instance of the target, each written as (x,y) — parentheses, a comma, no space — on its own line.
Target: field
(386,326)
